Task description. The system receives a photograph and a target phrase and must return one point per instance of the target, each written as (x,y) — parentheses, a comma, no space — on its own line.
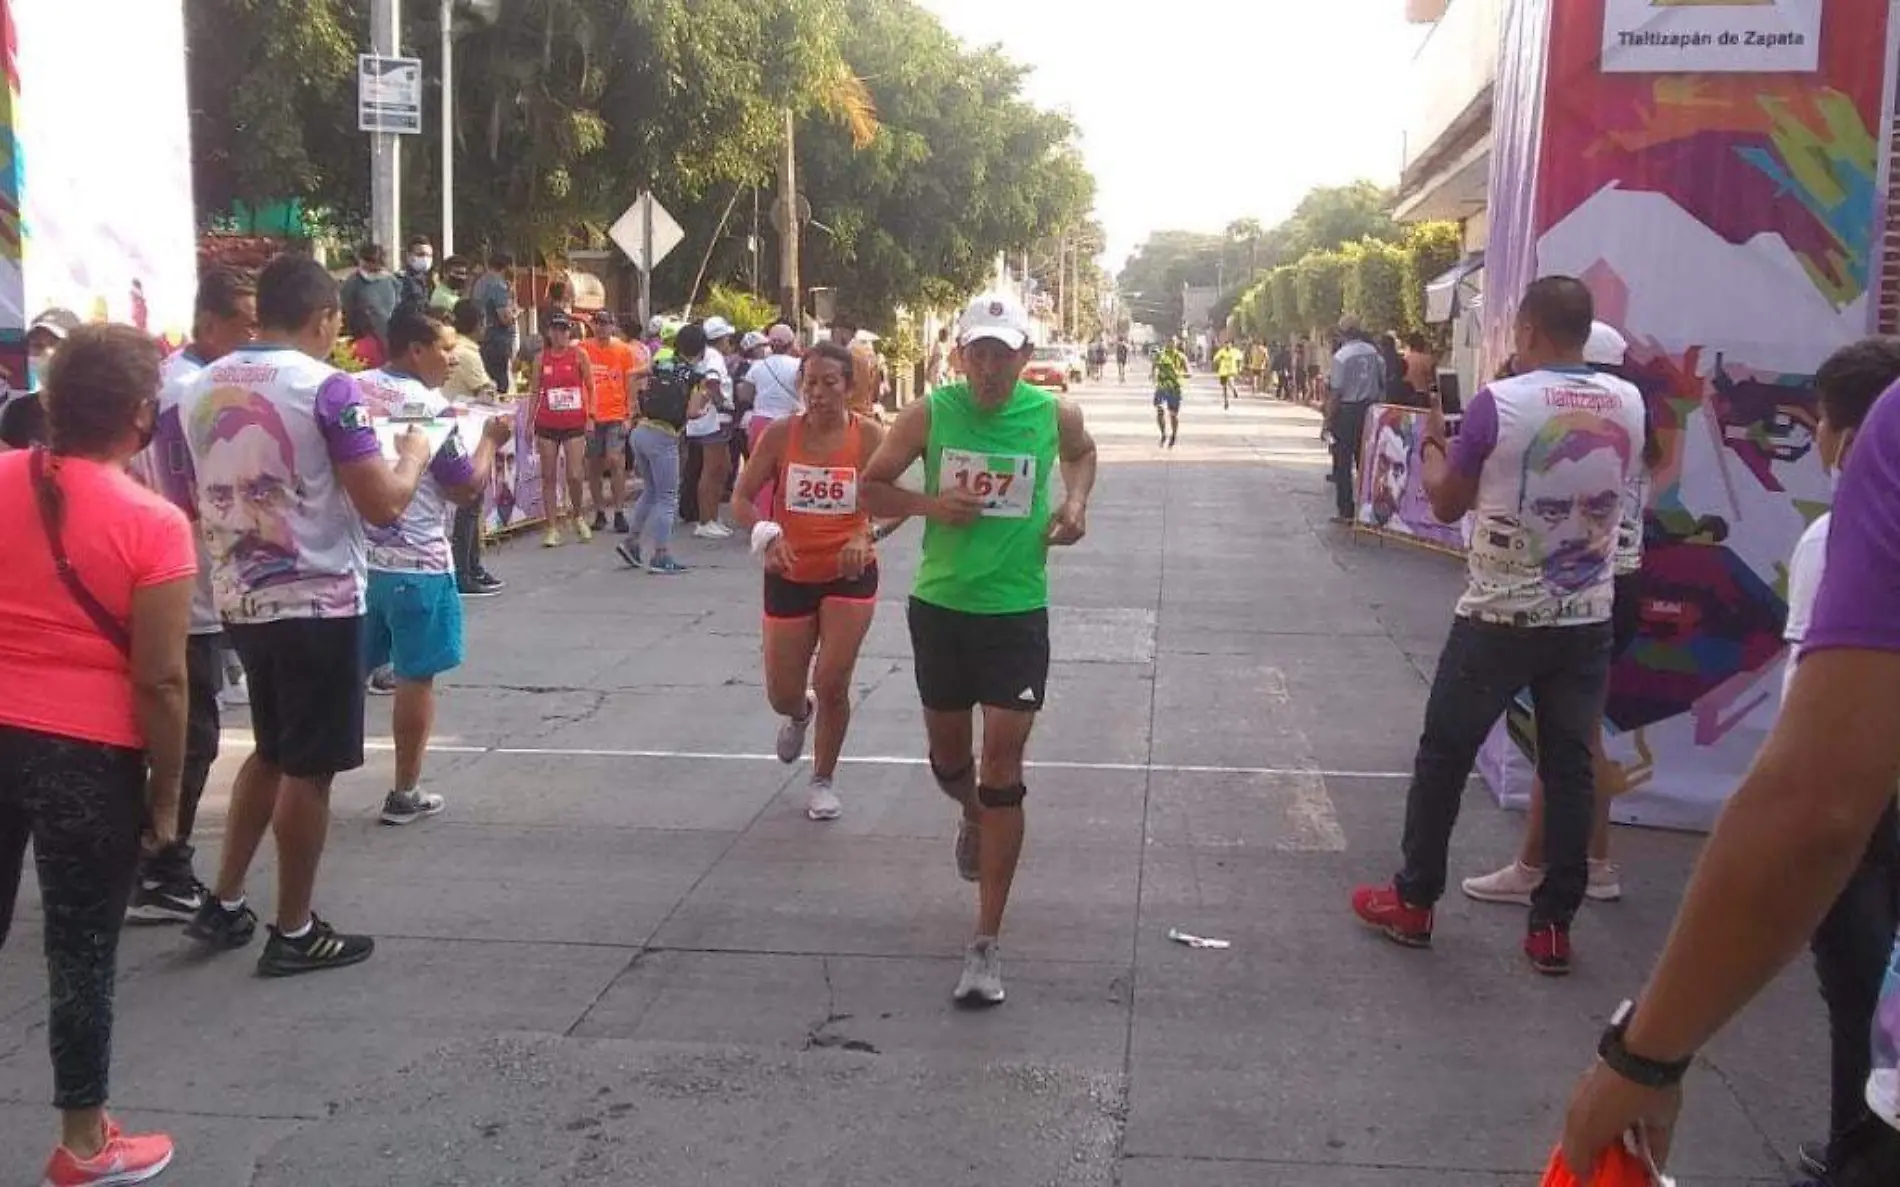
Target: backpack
(669,390)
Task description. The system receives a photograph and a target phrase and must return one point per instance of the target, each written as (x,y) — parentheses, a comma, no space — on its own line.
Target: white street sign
(629,232)
(388,94)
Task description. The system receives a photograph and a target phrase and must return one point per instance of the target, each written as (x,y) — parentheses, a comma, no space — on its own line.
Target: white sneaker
(712,531)
(982,981)
(720,530)
(791,733)
(822,803)
(1606,882)
(1513,884)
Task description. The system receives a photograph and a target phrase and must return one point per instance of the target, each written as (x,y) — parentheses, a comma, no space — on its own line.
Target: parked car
(1048,367)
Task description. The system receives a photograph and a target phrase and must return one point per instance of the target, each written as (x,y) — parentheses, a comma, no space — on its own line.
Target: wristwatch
(1649,1073)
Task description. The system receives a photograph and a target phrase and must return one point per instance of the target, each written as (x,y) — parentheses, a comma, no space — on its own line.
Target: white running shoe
(1515,883)
(791,733)
(822,803)
(1606,882)
(982,981)
(711,531)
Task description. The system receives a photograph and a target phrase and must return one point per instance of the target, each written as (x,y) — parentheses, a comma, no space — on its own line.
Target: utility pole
(448,128)
(385,159)
(788,286)
(1062,284)
(756,244)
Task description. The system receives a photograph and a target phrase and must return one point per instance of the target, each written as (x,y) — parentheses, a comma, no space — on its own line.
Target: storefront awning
(1448,293)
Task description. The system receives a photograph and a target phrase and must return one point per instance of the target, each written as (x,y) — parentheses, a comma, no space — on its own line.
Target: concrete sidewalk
(624,956)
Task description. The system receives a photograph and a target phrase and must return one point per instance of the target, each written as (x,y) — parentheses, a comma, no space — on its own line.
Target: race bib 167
(1006,482)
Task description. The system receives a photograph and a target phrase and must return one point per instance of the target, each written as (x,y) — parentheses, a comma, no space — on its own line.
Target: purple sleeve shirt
(451,467)
(343,420)
(1477,435)
(1860,591)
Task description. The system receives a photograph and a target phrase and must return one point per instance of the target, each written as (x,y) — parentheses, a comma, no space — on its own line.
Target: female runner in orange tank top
(820,559)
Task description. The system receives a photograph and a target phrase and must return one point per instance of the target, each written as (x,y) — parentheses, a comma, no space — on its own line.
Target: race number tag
(1006,482)
(821,490)
(564,399)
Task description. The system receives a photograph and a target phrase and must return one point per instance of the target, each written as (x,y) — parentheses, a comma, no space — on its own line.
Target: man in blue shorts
(1171,371)
(414,620)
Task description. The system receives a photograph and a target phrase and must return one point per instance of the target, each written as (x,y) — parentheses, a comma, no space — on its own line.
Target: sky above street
(1205,111)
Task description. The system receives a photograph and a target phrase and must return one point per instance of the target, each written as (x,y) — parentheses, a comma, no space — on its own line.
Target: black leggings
(82,804)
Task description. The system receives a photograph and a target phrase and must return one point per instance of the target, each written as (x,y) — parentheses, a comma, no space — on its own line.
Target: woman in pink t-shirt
(92,719)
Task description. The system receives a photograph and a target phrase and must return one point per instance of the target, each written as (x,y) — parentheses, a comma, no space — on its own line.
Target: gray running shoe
(822,803)
(791,733)
(982,980)
(969,849)
(407,807)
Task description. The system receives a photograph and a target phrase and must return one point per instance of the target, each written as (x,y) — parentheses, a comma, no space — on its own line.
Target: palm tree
(1250,232)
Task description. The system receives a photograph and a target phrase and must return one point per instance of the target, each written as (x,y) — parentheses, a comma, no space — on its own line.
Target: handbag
(46,493)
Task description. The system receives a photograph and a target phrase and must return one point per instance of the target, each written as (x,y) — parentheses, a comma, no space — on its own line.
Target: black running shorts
(306,685)
(965,660)
(795,600)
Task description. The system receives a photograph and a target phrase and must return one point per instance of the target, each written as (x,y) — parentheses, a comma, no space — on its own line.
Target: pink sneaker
(125,1158)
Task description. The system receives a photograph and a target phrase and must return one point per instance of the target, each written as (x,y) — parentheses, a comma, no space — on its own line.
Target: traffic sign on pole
(629,232)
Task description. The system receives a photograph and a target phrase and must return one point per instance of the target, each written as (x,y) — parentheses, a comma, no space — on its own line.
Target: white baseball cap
(994,315)
(781,335)
(1606,346)
(752,341)
(717,328)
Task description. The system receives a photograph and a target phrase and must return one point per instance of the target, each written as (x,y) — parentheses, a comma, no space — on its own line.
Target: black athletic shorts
(559,436)
(797,599)
(306,685)
(965,660)
(1626,616)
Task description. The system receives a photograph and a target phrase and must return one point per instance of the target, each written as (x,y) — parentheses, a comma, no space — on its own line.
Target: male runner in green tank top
(979,614)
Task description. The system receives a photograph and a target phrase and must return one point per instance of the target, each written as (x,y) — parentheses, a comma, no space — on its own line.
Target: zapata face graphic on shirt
(250,488)
(1570,498)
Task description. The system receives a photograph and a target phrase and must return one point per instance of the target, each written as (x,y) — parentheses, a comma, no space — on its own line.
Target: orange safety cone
(1617,1168)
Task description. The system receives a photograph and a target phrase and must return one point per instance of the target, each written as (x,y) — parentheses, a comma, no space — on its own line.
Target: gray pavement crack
(819,1035)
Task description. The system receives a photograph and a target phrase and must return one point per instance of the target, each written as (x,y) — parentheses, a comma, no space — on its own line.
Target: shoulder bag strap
(46,494)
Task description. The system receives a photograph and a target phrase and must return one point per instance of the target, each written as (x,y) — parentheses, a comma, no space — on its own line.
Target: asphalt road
(624,956)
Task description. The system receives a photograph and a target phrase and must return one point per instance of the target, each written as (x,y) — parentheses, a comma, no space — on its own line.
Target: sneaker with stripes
(321,947)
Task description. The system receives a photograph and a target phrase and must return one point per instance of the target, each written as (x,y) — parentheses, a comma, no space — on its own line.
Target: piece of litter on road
(1181,937)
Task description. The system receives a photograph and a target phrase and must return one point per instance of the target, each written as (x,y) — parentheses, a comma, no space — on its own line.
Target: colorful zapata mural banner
(1392,501)
(98,219)
(12,279)
(1726,224)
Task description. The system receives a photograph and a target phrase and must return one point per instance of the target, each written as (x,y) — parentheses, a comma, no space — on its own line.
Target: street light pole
(385,154)
(448,128)
(788,287)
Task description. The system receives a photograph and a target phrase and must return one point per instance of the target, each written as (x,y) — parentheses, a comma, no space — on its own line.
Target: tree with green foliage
(1320,281)
(567,109)
(1158,269)
(1330,217)
(1431,249)
(1375,286)
(1284,300)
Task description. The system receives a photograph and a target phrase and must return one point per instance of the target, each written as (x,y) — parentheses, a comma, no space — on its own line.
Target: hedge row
(1380,283)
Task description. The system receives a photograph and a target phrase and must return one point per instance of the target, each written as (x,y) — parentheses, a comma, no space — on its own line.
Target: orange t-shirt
(59,674)
(616,365)
(816,502)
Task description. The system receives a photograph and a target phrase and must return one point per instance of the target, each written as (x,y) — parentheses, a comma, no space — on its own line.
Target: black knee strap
(1001,797)
(954,780)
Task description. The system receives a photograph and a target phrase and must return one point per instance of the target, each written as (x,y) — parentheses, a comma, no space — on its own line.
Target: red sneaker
(1548,946)
(125,1158)
(1401,922)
